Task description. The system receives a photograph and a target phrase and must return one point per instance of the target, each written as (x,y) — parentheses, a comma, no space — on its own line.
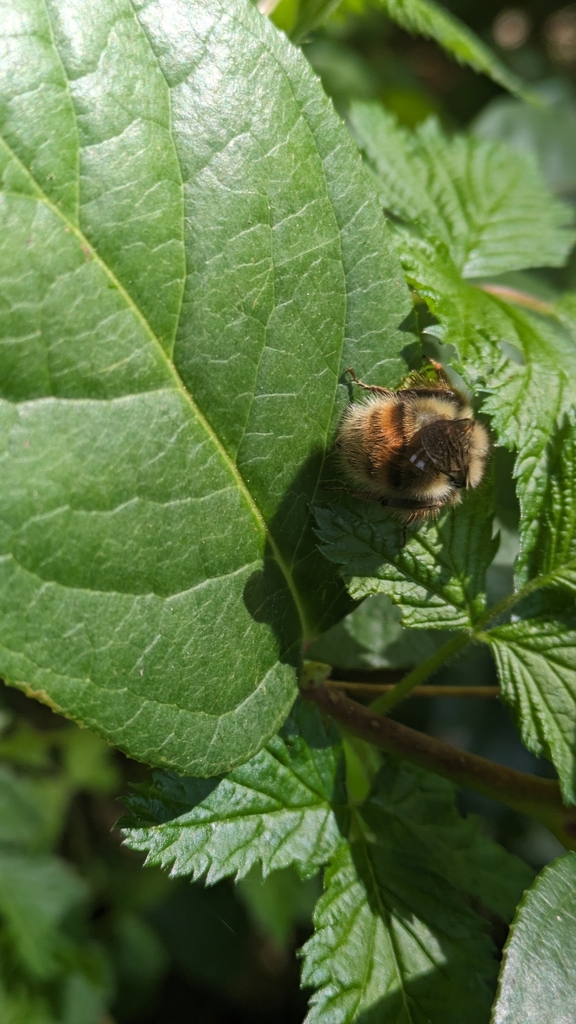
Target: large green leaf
(190,252)
(394,937)
(538,976)
(438,577)
(276,810)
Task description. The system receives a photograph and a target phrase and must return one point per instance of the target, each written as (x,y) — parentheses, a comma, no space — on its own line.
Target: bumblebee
(415,449)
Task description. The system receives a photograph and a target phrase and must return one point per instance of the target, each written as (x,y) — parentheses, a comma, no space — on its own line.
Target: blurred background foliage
(106,939)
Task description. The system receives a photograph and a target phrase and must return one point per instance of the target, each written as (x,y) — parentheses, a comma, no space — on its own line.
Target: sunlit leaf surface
(190,253)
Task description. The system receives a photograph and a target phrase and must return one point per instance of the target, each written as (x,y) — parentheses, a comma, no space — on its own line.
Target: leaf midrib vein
(318,793)
(179,387)
(408,576)
(287,570)
(385,916)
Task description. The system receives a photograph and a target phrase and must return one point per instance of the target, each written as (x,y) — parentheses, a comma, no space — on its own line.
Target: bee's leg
(439,369)
(367,387)
(404,528)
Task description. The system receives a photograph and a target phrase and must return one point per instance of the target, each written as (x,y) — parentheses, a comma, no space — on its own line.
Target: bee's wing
(447,445)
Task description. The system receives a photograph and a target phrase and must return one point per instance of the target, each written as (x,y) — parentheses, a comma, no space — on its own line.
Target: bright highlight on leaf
(183,279)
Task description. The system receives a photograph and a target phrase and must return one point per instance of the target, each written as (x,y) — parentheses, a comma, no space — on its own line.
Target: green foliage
(469,227)
(537,980)
(278,809)
(36,893)
(279,903)
(457,209)
(403,867)
(393,909)
(31,809)
(478,203)
(378,932)
(50,972)
(309,14)
(438,578)
(535,655)
(192,251)
(171,358)
(431,20)
(552,552)
(424,18)
(372,637)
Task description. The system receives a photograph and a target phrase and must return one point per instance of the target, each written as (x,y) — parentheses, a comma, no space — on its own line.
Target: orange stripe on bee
(386,430)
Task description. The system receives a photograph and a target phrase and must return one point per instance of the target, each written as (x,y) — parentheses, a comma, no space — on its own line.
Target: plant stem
(451,648)
(422,671)
(539,798)
(417,691)
(519,298)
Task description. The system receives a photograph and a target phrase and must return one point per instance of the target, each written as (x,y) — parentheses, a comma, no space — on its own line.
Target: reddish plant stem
(519,298)
(539,798)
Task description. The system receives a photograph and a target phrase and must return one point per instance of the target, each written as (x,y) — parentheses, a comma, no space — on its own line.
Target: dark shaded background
(226,955)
